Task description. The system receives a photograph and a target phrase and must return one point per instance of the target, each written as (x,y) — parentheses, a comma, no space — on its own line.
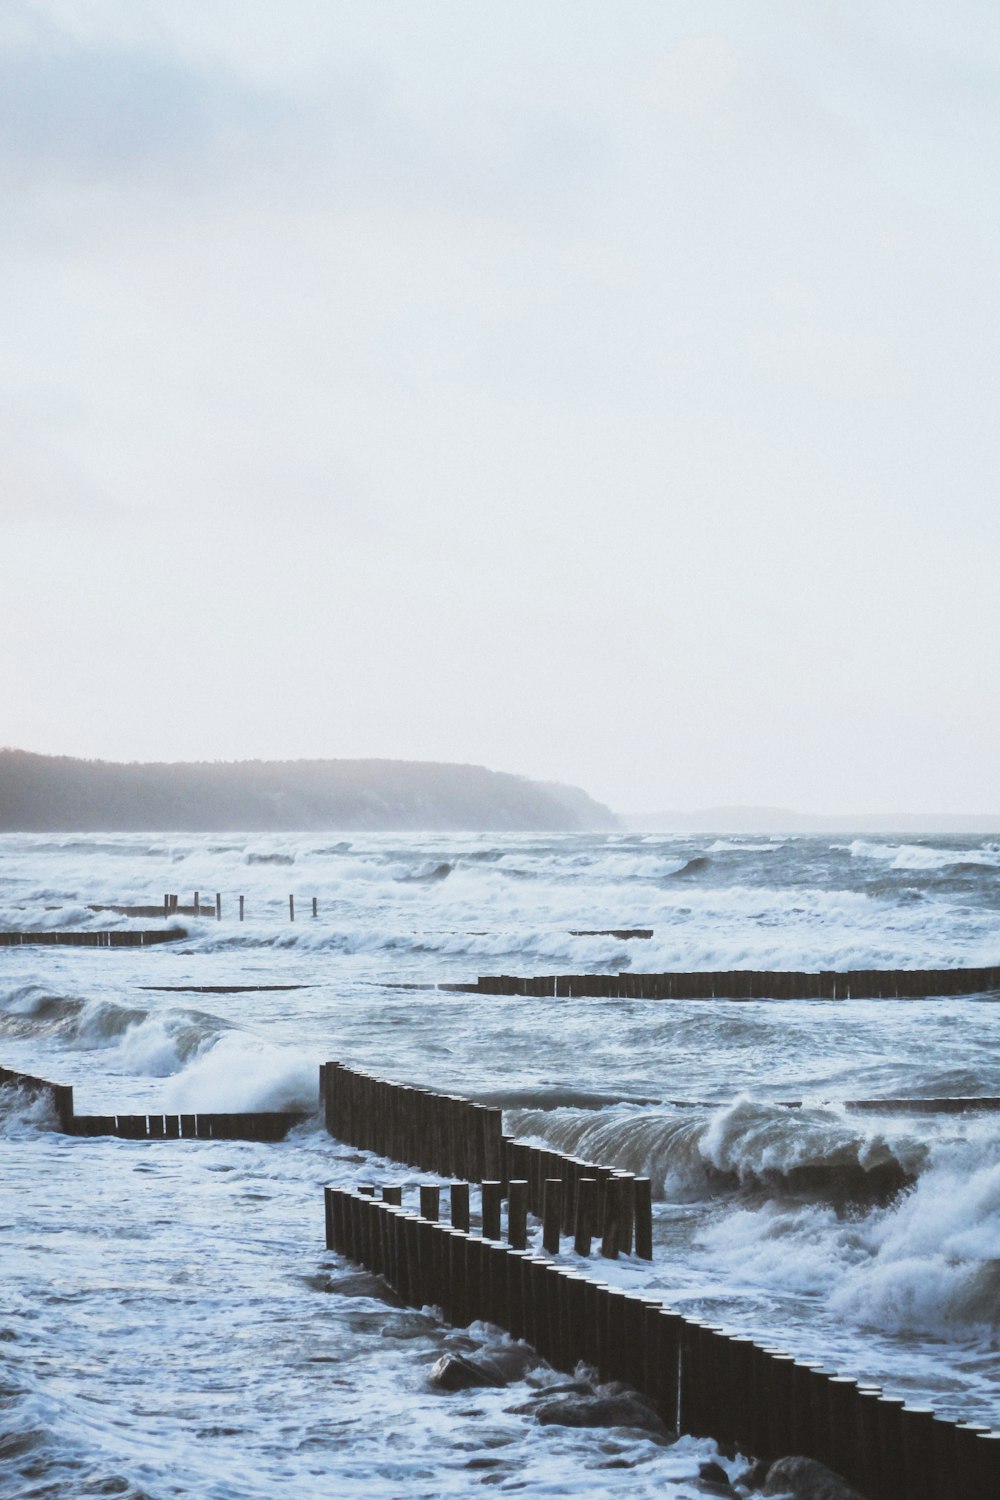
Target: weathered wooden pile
(747,984)
(750,1396)
(455,1137)
(252,1125)
(116,938)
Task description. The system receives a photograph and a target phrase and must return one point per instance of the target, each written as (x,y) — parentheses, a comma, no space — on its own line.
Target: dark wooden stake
(643,1218)
(552,1214)
(430,1201)
(517,1215)
(586,1213)
(460,1206)
(291,908)
(492,1199)
(315,911)
(241,908)
(612,1210)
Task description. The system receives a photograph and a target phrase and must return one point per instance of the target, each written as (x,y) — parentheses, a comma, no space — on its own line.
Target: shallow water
(166,1332)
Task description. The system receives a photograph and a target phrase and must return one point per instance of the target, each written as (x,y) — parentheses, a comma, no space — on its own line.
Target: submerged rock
(754,1477)
(713,1479)
(807,1479)
(454,1372)
(356,1284)
(599,1411)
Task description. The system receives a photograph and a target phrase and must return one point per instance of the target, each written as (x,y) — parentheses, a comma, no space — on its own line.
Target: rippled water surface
(172,1323)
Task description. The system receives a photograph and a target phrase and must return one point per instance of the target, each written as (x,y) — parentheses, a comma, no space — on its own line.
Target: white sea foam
(689,1153)
(929,1263)
(924,856)
(241,1073)
(128,1258)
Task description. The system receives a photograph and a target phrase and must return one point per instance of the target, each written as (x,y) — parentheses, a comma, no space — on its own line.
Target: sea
(170,1321)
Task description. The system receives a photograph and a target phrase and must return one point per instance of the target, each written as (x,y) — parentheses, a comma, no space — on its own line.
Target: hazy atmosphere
(604,393)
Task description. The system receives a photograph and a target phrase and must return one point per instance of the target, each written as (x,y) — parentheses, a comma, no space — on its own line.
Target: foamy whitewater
(172,1325)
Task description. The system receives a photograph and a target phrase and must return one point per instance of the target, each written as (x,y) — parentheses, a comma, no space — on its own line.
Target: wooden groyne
(251,1125)
(747,984)
(59,1094)
(456,1137)
(116,938)
(254,1125)
(751,1397)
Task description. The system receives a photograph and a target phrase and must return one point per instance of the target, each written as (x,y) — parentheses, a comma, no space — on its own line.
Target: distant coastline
(56,793)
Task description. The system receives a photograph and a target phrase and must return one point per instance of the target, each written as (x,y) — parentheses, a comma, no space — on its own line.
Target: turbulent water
(171,1322)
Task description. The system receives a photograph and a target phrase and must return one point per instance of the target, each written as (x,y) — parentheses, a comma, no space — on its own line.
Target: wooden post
(241,908)
(392,1194)
(492,1199)
(643,1218)
(315,912)
(430,1201)
(291,908)
(166,906)
(612,1210)
(626,1211)
(218,906)
(552,1214)
(586,1214)
(62,1097)
(918,1454)
(891,1443)
(868,1430)
(517,1214)
(459,1196)
(966,1440)
(988,1465)
(197,903)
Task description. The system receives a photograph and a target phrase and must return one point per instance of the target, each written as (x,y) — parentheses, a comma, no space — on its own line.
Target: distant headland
(58,793)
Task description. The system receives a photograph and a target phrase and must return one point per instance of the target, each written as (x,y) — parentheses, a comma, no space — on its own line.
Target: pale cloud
(553,369)
(695,80)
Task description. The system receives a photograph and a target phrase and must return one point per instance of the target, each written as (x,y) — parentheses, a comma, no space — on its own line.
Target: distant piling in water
(745,984)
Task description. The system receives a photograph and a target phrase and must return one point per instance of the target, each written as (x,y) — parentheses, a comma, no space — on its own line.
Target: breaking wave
(748,1144)
(928,1264)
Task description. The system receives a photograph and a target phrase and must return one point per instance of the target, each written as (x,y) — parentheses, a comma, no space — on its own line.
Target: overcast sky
(602,391)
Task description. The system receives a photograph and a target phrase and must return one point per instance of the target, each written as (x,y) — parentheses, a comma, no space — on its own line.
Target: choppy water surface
(172,1324)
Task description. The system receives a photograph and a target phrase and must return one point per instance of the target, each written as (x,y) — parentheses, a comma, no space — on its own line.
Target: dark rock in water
(509,1363)
(270,859)
(356,1284)
(599,1411)
(806,1479)
(754,1477)
(713,1479)
(453,1372)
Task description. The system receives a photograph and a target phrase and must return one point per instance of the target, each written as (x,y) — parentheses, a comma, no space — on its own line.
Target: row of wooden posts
(200,909)
(458,1138)
(747,1394)
(250,1125)
(746,984)
(116,938)
(751,1396)
(613,1225)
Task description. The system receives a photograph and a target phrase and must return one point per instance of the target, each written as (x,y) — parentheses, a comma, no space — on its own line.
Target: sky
(601,392)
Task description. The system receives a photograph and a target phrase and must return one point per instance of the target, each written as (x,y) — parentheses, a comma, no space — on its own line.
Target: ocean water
(171,1323)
